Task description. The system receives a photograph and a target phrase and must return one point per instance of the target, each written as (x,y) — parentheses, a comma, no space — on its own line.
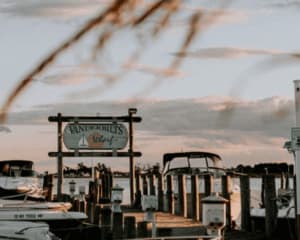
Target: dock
(178,212)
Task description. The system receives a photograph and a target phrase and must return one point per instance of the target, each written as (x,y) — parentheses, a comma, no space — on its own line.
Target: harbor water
(255,186)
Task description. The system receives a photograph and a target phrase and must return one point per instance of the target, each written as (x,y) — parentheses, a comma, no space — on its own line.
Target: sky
(246,56)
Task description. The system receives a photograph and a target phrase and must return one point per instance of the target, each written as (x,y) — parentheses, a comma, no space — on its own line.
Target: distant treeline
(266,168)
(82,171)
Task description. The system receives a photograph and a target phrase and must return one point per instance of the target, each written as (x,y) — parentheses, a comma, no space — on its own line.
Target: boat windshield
(192,163)
(17,169)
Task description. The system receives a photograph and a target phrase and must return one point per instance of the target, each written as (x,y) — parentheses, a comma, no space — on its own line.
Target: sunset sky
(247,55)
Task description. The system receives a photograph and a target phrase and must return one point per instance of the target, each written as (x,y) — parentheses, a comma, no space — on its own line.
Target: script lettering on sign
(107,136)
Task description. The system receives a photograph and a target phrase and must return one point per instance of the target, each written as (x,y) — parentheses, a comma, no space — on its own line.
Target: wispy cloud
(281,4)
(162,72)
(51,9)
(189,117)
(256,132)
(229,53)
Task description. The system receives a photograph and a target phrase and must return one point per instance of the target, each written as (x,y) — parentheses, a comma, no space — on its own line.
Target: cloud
(228,53)
(256,132)
(281,4)
(56,9)
(188,117)
(162,72)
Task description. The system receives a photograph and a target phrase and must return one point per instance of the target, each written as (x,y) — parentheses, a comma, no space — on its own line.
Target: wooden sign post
(84,133)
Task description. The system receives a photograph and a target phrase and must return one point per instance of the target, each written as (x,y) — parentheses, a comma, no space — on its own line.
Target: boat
(203,163)
(18,180)
(25,231)
(60,221)
(21,204)
(192,163)
(285,202)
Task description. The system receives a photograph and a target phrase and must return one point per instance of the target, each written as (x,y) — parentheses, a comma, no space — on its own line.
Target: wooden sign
(107,136)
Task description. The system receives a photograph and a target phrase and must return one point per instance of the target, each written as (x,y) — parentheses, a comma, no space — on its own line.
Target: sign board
(108,136)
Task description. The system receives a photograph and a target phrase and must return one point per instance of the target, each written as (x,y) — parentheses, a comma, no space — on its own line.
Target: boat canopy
(23,168)
(192,163)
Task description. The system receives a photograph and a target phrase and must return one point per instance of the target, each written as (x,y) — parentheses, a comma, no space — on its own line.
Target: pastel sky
(247,55)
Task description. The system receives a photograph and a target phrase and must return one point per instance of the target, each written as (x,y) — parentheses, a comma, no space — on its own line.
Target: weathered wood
(75,205)
(117,226)
(90,211)
(97,214)
(93,192)
(94,154)
(48,186)
(131,112)
(262,193)
(271,207)
(60,172)
(151,184)
(105,222)
(208,184)
(195,197)
(144,229)
(182,198)
(138,193)
(170,195)
(287,180)
(245,203)
(226,182)
(82,206)
(94,119)
(111,183)
(129,227)
(160,192)
(282,180)
(145,185)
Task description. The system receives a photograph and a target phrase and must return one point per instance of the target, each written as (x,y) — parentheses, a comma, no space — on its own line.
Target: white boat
(25,231)
(201,164)
(18,180)
(21,204)
(285,202)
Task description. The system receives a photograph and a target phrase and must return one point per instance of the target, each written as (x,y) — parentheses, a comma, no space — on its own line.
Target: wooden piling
(182,198)
(93,192)
(90,211)
(160,192)
(262,193)
(117,226)
(151,184)
(208,184)
(282,180)
(170,195)
(145,184)
(105,222)
(144,229)
(48,186)
(226,182)
(271,207)
(138,193)
(195,197)
(287,180)
(82,206)
(129,227)
(97,214)
(245,203)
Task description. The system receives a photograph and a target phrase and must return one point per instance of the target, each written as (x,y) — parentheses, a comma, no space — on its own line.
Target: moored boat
(200,164)
(18,180)
(25,230)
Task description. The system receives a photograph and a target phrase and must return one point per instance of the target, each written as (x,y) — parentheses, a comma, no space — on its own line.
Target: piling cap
(214,198)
